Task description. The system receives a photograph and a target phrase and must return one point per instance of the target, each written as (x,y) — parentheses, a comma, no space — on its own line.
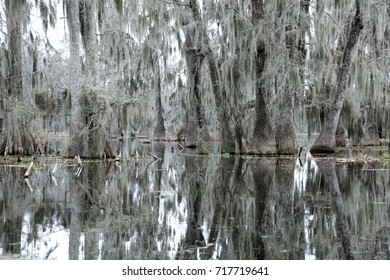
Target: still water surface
(189,206)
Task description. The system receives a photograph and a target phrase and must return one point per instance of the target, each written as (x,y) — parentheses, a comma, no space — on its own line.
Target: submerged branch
(28,172)
(78,160)
(154,156)
(28,184)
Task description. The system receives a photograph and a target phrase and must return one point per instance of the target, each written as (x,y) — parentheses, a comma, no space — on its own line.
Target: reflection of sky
(300,180)
(310,253)
(52,242)
(48,242)
(176,221)
(166,213)
(174,218)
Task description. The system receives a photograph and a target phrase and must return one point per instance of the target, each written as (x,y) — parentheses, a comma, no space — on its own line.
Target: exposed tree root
(18,137)
(91,143)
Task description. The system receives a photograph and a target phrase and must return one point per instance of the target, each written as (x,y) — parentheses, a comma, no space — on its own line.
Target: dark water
(188,206)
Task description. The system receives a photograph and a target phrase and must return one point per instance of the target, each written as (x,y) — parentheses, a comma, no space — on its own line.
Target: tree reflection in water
(190,206)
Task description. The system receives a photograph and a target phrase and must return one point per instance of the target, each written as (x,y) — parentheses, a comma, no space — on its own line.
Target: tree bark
(77,117)
(370,128)
(227,140)
(195,131)
(284,87)
(88,21)
(263,141)
(17,136)
(341,135)
(89,121)
(14,29)
(285,134)
(326,141)
(159,129)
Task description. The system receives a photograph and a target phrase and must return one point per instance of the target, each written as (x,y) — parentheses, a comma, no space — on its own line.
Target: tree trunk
(17,136)
(14,29)
(370,129)
(326,141)
(263,141)
(341,135)
(88,21)
(285,134)
(159,129)
(89,120)
(77,124)
(227,140)
(235,80)
(195,131)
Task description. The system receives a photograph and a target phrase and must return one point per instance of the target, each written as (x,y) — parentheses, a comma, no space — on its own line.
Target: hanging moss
(119,6)
(44,10)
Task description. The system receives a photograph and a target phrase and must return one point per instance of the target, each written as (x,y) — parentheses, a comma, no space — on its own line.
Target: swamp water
(190,206)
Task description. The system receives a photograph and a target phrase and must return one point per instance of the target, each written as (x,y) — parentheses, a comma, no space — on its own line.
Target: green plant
(385,157)
(225,155)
